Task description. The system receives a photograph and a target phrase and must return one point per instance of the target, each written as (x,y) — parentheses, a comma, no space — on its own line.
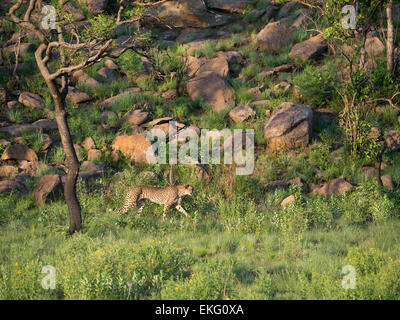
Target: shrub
(35,139)
(377,275)
(130,63)
(369,203)
(264,285)
(161,259)
(240,214)
(208,50)
(214,282)
(317,85)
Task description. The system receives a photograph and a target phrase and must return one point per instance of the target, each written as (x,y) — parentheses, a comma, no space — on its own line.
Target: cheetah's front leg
(166,207)
(181,209)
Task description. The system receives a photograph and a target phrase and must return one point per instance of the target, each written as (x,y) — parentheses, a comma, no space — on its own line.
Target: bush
(317,85)
(214,282)
(240,214)
(160,259)
(264,285)
(369,203)
(377,275)
(130,63)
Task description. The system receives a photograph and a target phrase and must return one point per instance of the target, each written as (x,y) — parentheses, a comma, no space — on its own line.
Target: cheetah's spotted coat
(166,196)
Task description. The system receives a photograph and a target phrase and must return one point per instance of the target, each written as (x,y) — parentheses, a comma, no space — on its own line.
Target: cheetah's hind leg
(140,206)
(130,201)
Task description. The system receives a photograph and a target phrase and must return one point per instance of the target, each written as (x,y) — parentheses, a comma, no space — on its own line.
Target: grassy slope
(242,244)
(98,262)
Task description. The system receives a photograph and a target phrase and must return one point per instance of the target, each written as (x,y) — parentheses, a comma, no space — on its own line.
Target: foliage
(318,85)
(214,282)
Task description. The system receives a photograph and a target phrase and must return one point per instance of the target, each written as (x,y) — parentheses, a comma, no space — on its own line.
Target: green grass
(242,244)
(232,251)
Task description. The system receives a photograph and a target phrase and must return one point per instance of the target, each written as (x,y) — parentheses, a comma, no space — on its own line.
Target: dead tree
(390,38)
(65,44)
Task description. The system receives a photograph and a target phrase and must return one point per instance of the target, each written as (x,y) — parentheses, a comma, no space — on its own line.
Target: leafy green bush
(317,85)
(240,214)
(214,282)
(130,63)
(208,50)
(369,203)
(265,285)
(161,259)
(384,82)
(377,275)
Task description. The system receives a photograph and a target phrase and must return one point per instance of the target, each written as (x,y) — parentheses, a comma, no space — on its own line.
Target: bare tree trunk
(74,208)
(390,38)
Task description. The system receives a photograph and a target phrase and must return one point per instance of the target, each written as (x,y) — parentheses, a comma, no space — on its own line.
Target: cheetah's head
(187,190)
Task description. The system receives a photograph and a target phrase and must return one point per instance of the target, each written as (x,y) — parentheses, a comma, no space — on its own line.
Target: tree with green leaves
(346,25)
(66,48)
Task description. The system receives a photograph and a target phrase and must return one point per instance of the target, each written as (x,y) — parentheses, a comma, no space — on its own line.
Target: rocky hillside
(210,64)
(244,57)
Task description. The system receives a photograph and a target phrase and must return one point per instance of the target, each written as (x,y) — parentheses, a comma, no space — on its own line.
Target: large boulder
(77,96)
(231,6)
(81,77)
(188,14)
(42,124)
(108,103)
(72,9)
(290,7)
(387,181)
(302,20)
(157,121)
(109,64)
(134,146)
(212,89)
(312,48)
(48,186)
(31,100)
(334,187)
(88,143)
(241,113)
(290,126)
(219,65)
(19,152)
(8,186)
(89,170)
(374,46)
(94,154)
(107,74)
(24,48)
(135,116)
(270,12)
(393,140)
(274,36)
(95,6)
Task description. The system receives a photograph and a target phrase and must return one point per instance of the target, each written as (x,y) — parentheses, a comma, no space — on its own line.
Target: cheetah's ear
(187,186)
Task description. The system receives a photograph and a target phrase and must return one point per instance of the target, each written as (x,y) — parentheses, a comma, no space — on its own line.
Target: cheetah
(167,196)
